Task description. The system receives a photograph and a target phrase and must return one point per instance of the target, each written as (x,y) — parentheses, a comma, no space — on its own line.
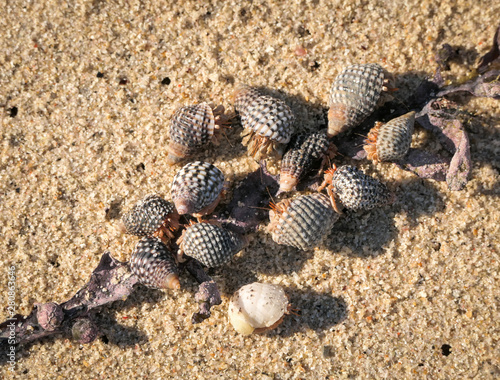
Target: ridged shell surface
(154,264)
(147,216)
(305,151)
(210,244)
(196,186)
(190,128)
(304,223)
(266,116)
(394,137)
(354,96)
(257,306)
(358,191)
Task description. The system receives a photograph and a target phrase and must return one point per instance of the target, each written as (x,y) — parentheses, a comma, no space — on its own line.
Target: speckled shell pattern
(394,137)
(153,263)
(211,244)
(354,95)
(358,191)
(305,222)
(190,128)
(147,216)
(265,115)
(196,186)
(305,151)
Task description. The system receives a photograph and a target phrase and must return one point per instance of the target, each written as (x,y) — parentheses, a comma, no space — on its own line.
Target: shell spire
(268,121)
(390,141)
(355,93)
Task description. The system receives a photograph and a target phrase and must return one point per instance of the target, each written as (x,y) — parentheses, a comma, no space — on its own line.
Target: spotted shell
(354,95)
(154,264)
(196,188)
(257,307)
(358,191)
(306,151)
(302,222)
(191,127)
(149,215)
(269,120)
(390,141)
(210,244)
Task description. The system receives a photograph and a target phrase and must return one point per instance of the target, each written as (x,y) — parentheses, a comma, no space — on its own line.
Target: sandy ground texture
(410,290)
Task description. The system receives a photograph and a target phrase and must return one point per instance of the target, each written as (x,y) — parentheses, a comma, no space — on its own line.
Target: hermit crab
(191,127)
(154,265)
(197,188)
(355,189)
(355,93)
(152,216)
(302,222)
(258,307)
(306,152)
(268,121)
(390,141)
(210,244)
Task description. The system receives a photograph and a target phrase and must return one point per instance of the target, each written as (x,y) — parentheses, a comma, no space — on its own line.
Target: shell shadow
(362,234)
(267,258)
(316,311)
(112,332)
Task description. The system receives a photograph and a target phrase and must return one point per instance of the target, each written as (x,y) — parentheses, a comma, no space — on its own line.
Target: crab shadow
(311,310)
(362,234)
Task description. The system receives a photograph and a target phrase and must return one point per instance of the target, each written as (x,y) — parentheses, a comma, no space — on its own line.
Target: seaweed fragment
(110,281)
(443,118)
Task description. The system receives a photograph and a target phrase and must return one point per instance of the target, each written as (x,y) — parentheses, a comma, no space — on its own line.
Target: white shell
(257,306)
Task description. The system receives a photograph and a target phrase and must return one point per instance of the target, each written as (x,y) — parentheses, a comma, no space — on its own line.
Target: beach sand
(410,290)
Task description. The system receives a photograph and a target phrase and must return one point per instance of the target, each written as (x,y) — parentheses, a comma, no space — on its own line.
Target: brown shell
(354,95)
(302,222)
(390,141)
(191,127)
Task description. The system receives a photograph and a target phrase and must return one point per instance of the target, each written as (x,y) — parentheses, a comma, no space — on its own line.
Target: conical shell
(148,215)
(269,119)
(306,151)
(358,191)
(257,306)
(210,244)
(154,265)
(391,141)
(190,128)
(196,188)
(302,222)
(354,96)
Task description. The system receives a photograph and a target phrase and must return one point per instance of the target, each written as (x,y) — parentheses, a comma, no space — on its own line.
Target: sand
(86,91)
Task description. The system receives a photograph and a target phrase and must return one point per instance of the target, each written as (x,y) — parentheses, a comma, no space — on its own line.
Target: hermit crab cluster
(175,230)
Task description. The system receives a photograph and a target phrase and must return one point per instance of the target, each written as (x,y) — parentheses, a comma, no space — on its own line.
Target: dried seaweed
(443,118)
(110,281)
